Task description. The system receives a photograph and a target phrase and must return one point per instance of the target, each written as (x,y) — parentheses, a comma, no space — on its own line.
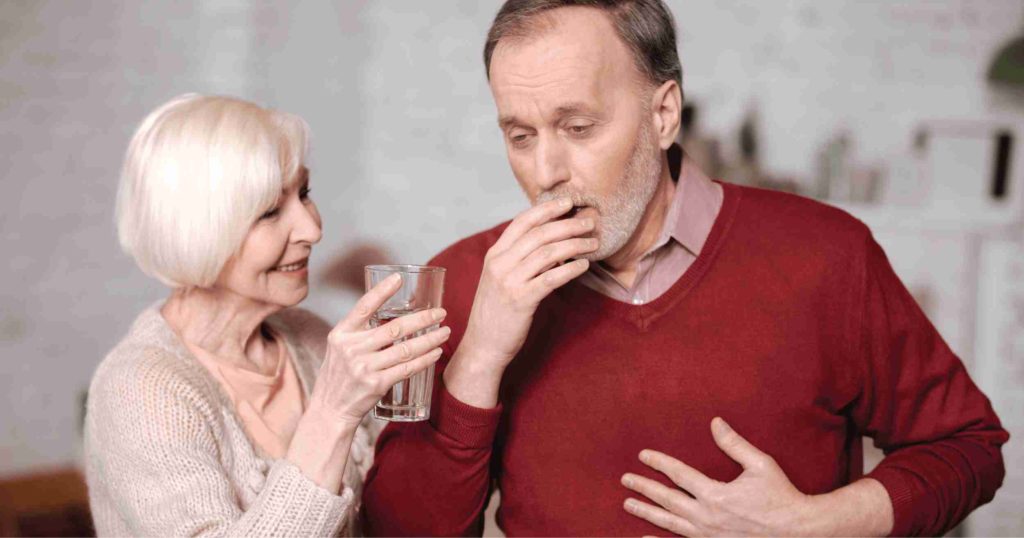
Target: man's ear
(667,108)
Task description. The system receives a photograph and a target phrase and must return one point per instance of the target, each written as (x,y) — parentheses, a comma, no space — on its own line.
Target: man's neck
(623,264)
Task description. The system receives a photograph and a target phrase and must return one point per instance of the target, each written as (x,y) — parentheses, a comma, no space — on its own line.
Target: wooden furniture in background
(50,503)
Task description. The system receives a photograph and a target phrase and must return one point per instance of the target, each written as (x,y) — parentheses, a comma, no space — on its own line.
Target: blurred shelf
(995,220)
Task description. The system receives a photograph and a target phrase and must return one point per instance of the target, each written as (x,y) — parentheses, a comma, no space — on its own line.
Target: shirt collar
(694,205)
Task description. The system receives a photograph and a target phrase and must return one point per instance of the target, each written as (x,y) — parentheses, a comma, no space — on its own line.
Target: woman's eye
(270,214)
(304,193)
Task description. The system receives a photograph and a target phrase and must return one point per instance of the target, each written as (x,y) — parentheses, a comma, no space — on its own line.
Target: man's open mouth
(572,212)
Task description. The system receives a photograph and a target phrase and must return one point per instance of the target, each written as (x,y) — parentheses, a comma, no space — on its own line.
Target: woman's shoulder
(150,365)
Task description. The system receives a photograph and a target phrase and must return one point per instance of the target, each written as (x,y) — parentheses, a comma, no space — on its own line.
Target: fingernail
(582,262)
(445,331)
(722,426)
(592,243)
(645,456)
(565,202)
(587,223)
(630,505)
(627,481)
(439,314)
(395,278)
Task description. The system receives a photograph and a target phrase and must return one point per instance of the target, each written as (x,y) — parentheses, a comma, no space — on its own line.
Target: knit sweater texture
(166,454)
(791,325)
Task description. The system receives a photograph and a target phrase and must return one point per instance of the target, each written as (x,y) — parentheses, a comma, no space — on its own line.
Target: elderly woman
(225,410)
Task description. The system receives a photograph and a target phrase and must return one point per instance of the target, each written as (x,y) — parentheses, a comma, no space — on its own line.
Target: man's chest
(583,399)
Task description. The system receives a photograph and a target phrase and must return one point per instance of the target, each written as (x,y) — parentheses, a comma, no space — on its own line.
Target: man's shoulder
(470,251)
(792,219)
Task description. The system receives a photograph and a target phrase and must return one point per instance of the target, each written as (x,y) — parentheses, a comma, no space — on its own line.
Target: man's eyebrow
(504,122)
(567,109)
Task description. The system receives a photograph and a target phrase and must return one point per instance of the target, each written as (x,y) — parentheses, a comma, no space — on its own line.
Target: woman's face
(271,266)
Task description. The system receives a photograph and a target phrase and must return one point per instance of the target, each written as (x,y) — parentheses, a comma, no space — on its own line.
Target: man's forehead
(577,59)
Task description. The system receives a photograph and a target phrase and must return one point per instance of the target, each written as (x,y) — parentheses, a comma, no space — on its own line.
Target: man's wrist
(473,377)
(862,508)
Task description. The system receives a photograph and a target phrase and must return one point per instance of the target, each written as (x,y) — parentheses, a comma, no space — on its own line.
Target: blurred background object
(345,270)
(910,115)
(53,502)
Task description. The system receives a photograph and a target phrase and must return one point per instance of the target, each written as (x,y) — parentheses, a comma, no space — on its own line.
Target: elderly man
(647,350)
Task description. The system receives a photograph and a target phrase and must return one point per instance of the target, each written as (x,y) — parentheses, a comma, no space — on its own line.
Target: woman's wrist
(320,447)
(329,417)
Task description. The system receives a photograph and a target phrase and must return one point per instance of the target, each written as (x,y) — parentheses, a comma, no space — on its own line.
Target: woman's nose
(307,228)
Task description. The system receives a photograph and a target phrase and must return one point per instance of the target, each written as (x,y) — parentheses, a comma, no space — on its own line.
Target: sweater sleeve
(154,453)
(939,432)
(432,478)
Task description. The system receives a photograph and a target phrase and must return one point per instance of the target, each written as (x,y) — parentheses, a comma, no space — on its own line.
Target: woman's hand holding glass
(360,365)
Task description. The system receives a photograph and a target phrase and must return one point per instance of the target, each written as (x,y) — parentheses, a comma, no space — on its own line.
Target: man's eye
(519,140)
(579,129)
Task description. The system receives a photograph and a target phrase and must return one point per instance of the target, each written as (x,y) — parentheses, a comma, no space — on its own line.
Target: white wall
(405,149)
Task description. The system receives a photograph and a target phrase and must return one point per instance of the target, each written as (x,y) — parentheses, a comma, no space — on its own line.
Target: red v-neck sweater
(791,325)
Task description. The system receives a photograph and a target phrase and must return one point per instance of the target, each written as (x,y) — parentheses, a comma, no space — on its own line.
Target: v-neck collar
(643,315)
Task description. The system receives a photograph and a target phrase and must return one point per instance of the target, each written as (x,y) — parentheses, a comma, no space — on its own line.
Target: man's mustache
(578,198)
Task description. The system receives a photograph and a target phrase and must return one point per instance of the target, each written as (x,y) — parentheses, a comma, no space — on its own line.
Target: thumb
(735,446)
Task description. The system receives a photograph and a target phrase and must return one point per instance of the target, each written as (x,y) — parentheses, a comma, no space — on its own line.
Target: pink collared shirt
(695,206)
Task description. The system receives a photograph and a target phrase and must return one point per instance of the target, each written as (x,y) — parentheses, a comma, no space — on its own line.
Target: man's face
(576,122)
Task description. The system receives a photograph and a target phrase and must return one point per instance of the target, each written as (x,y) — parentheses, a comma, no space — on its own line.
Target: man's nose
(552,162)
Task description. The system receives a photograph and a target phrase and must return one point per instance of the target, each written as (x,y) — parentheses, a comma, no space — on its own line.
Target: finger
(407,369)
(546,282)
(661,517)
(548,233)
(671,499)
(406,350)
(552,254)
(531,218)
(678,472)
(369,303)
(399,327)
(736,447)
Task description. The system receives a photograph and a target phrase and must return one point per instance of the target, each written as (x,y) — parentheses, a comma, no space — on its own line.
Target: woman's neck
(223,324)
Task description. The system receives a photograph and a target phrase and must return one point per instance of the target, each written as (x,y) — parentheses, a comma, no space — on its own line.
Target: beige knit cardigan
(166,455)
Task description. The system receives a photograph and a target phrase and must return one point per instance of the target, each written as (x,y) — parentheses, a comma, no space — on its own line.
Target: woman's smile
(295,268)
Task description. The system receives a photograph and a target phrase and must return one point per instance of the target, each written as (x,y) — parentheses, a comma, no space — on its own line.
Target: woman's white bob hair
(198,172)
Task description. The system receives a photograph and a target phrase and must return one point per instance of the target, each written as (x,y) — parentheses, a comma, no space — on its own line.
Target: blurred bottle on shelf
(833,168)
(704,150)
(747,169)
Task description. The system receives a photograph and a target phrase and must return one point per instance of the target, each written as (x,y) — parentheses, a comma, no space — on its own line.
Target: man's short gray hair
(645,26)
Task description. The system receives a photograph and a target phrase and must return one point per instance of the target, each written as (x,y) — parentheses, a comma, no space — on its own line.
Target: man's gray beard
(620,214)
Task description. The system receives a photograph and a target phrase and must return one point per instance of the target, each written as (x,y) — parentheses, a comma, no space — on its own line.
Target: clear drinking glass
(422,288)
